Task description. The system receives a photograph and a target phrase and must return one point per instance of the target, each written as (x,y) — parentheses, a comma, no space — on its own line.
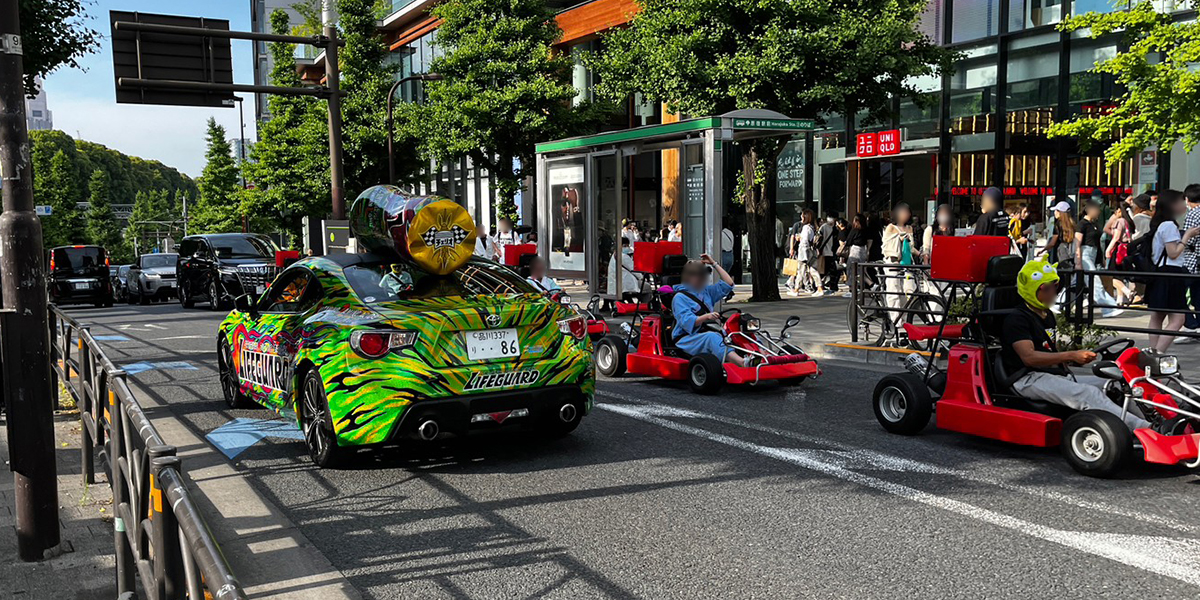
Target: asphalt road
(757,493)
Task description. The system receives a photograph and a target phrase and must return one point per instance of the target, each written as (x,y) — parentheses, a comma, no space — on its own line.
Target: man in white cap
(993,221)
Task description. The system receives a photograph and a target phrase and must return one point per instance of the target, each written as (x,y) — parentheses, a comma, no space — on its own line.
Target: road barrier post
(168,564)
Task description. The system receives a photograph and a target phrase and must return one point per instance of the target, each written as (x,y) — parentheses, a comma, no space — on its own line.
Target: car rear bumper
(480,413)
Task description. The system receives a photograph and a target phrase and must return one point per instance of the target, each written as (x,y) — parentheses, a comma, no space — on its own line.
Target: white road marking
(183,337)
(154,326)
(1170,557)
(889,462)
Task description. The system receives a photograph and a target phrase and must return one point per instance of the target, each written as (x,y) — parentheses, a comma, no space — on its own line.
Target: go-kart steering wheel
(1107,351)
(735,311)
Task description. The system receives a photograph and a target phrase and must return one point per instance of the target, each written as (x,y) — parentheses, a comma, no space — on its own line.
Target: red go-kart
(974,395)
(648,348)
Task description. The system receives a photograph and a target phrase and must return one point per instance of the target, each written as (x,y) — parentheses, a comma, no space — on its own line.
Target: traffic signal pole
(26,373)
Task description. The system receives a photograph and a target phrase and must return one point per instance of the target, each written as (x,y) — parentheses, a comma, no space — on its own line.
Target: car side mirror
(245,304)
(1108,369)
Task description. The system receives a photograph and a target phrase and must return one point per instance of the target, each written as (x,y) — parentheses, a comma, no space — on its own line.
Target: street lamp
(390,132)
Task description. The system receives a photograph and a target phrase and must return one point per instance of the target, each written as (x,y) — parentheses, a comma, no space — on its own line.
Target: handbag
(790,266)
(906,256)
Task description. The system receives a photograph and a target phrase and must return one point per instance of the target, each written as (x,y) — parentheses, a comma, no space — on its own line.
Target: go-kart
(648,348)
(974,394)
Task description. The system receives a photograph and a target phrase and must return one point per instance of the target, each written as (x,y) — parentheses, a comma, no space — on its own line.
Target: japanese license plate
(489,344)
(81,285)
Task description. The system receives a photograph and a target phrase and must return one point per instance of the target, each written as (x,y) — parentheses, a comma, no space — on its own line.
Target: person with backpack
(1120,227)
(1166,254)
(1191,260)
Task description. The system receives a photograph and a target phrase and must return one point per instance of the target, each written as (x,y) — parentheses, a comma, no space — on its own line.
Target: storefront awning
(743,123)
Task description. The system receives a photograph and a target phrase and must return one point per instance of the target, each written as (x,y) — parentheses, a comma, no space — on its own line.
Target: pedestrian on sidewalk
(943,225)
(1060,248)
(827,244)
(993,221)
(807,255)
(857,242)
(1087,250)
(1166,254)
(1191,260)
(1120,227)
(898,250)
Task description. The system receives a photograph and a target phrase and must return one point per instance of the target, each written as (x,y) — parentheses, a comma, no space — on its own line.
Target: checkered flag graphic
(433,240)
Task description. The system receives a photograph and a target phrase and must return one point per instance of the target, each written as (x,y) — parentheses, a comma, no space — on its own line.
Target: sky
(84,101)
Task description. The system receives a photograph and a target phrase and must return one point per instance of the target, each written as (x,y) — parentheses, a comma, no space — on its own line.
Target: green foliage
(101,225)
(802,58)
(366,76)
(217,209)
(1160,101)
(53,33)
(504,90)
(1089,336)
(59,188)
(289,164)
(154,215)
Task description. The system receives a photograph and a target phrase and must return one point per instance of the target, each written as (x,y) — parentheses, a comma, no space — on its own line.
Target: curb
(873,355)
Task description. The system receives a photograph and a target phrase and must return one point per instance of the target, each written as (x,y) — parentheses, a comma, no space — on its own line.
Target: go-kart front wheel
(1096,443)
(902,403)
(611,355)
(706,374)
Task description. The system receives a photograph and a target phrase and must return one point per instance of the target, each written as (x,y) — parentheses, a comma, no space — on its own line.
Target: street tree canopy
(504,90)
(53,33)
(802,58)
(366,76)
(220,193)
(1160,102)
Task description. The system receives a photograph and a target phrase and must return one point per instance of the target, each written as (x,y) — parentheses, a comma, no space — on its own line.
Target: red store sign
(883,143)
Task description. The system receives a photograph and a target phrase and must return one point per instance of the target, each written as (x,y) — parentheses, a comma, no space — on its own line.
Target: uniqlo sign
(888,142)
(868,144)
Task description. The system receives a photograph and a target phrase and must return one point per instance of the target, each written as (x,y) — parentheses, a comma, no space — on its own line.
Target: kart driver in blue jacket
(693,308)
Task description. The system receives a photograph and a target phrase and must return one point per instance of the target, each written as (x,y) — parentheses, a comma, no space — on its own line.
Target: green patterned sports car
(366,351)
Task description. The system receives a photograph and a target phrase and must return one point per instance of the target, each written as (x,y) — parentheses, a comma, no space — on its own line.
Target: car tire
(214,295)
(902,403)
(142,298)
(611,355)
(185,297)
(316,425)
(705,374)
(1096,443)
(230,386)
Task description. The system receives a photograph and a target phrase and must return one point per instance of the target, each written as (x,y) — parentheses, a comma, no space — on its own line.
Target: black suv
(79,275)
(216,268)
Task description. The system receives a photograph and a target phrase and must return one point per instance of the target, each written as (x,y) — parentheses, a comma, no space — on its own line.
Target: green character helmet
(1034,275)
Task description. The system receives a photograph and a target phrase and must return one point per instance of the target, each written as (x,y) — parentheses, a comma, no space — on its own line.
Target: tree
(803,58)
(58,188)
(53,33)
(102,228)
(366,77)
(505,89)
(217,210)
(150,221)
(290,163)
(1158,104)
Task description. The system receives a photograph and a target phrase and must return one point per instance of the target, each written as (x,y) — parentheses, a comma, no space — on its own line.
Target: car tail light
(374,344)
(51,263)
(575,326)
(107,262)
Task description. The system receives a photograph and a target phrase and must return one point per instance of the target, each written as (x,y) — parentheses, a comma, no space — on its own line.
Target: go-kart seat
(523,264)
(672,269)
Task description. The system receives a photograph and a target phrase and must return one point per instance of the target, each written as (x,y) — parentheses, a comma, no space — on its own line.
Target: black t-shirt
(856,237)
(1024,324)
(993,223)
(1091,233)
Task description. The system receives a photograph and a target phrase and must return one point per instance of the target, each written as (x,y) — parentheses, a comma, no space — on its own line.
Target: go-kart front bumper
(1169,449)
(737,375)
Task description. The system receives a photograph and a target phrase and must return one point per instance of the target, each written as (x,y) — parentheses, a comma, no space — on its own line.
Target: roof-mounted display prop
(435,233)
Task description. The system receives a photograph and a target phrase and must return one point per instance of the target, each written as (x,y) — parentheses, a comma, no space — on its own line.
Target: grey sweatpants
(1085,392)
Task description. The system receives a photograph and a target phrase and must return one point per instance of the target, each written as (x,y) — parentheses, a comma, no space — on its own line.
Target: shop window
(975,19)
(1027,14)
(920,122)
(1090,94)
(1079,7)
(930,23)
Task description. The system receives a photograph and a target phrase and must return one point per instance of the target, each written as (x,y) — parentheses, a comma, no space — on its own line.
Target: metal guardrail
(1080,309)
(923,304)
(160,537)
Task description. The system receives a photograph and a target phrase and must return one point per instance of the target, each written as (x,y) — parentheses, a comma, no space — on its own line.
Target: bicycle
(881,325)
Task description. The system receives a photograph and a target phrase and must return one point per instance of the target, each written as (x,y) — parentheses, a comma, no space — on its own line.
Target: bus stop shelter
(583,195)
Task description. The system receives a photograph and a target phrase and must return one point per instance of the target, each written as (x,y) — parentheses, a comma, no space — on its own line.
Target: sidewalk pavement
(85,568)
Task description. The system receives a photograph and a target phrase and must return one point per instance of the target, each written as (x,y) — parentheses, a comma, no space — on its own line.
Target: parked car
(79,275)
(152,278)
(118,275)
(217,268)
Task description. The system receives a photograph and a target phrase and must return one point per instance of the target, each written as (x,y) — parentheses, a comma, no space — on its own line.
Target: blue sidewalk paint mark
(237,435)
(134,368)
(110,338)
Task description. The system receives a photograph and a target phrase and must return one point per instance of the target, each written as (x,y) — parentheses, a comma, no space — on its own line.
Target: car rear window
(76,259)
(383,282)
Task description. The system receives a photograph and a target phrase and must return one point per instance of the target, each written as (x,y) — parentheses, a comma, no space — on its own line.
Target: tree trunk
(759,196)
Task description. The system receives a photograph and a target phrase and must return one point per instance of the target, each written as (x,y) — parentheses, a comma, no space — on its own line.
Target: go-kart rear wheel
(611,354)
(706,374)
(902,403)
(1096,443)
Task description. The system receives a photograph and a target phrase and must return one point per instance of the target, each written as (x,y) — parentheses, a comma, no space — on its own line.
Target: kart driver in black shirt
(1028,347)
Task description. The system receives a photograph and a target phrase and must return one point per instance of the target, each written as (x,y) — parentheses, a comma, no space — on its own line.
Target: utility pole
(27,373)
(332,82)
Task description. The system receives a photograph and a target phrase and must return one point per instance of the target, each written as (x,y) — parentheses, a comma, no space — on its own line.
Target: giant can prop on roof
(435,233)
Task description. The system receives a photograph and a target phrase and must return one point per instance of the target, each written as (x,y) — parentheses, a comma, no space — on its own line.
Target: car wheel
(185,297)
(214,295)
(902,403)
(316,424)
(706,374)
(611,354)
(1096,443)
(142,298)
(231,386)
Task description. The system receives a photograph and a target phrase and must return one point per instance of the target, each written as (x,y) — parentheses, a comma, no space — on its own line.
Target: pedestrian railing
(877,311)
(161,539)
(1078,305)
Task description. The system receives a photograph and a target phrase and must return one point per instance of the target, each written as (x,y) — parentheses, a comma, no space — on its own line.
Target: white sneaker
(1184,340)
(847,295)
(792,293)
(1111,312)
